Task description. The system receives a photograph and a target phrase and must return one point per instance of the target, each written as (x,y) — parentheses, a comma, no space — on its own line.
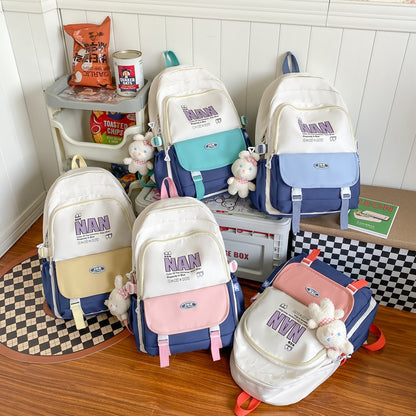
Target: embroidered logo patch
(321,165)
(97,269)
(312,291)
(188,305)
(210,146)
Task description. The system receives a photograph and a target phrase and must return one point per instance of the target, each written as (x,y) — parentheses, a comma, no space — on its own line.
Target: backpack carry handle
(379,343)
(170,59)
(241,399)
(78,162)
(169,191)
(291,66)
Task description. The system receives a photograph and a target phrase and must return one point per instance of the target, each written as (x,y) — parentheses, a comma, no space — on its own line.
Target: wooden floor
(122,381)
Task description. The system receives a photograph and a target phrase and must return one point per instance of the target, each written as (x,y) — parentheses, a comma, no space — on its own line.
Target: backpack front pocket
(277,328)
(187,311)
(307,285)
(210,152)
(182,263)
(197,115)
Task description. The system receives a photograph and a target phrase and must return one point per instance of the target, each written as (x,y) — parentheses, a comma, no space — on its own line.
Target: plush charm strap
(216,343)
(241,399)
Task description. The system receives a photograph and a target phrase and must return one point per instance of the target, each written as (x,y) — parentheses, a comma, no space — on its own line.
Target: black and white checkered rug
(390,271)
(27,331)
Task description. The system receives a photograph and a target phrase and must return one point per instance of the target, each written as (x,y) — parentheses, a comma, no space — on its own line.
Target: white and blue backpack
(276,357)
(187,297)
(87,225)
(309,163)
(198,133)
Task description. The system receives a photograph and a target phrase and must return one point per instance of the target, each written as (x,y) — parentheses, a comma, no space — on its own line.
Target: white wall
(22,191)
(367,49)
(243,43)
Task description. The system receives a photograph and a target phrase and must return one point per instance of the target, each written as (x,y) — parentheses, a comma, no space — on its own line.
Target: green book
(372,217)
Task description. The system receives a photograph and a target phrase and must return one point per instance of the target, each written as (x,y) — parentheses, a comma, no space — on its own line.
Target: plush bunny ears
(146,139)
(250,157)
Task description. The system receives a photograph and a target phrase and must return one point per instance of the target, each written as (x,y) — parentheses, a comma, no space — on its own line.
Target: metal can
(128,71)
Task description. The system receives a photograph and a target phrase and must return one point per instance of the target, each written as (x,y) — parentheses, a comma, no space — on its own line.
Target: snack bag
(90,66)
(108,128)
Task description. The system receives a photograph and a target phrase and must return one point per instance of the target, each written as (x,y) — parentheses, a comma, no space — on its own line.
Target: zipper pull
(131,276)
(42,251)
(167,158)
(261,148)
(269,162)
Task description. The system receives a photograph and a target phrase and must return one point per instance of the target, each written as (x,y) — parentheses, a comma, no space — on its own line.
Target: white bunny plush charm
(244,170)
(119,300)
(330,330)
(141,153)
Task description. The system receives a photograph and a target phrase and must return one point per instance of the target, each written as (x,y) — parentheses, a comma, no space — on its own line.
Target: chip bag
(108,128)
(90,66)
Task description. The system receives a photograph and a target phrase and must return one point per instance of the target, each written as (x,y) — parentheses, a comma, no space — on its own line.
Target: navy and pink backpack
(180,269)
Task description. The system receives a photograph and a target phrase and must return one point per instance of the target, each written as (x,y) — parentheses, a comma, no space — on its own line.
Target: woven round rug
(29,333)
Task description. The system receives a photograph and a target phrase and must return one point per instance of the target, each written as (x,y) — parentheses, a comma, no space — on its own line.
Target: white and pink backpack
(181,271)
(278,355)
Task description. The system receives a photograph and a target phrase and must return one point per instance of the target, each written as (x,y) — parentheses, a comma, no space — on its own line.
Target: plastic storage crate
(258,243)
(69,119)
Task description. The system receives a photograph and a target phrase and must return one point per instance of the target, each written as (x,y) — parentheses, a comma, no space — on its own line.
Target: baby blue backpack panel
(319,170)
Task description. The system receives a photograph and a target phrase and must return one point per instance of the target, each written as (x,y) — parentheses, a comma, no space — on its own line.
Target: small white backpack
(87,223)
(278,357)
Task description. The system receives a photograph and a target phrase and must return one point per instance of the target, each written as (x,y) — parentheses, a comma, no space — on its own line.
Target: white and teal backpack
(198,130)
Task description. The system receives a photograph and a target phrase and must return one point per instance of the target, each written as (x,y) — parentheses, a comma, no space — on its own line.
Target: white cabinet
(70,122)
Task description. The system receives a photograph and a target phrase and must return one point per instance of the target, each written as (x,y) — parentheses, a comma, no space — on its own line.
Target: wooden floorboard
(122,381)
